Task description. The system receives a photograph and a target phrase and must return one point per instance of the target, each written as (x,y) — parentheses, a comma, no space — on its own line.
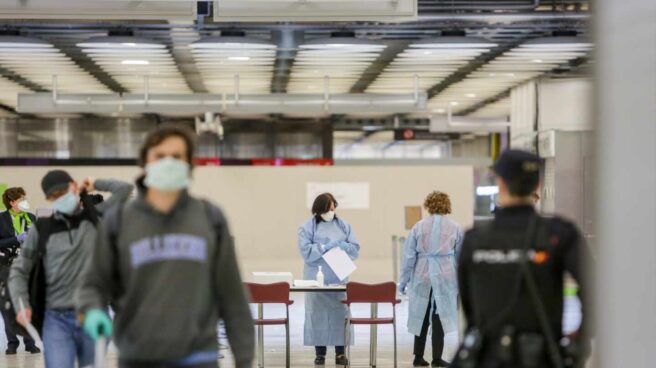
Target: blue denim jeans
(64,341)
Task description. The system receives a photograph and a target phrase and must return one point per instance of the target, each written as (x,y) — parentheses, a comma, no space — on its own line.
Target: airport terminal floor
(302,356)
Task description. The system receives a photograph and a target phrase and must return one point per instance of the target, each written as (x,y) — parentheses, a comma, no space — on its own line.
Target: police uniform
(494,295)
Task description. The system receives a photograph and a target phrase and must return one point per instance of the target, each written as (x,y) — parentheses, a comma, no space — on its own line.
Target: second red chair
(370,294)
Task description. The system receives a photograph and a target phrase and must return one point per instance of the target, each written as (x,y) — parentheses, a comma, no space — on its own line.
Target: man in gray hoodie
(69,236)
(167,264)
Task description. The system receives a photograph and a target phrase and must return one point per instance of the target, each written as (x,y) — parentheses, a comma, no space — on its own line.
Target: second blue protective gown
(429,262)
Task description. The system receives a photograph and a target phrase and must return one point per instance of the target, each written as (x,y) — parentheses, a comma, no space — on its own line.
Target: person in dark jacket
(69,236)
(166,262)
(14,224)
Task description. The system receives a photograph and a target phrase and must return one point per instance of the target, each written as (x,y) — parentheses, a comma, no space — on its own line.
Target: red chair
(370,294)
(277,293)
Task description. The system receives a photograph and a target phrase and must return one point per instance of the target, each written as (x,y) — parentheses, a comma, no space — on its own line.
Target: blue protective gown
(324,313)
(429,262)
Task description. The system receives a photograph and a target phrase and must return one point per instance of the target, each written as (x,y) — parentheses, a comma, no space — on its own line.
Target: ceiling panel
(9,92)
(136,64)
(430,61)
(228,64)
(512,68)
(336,63)
(38,61)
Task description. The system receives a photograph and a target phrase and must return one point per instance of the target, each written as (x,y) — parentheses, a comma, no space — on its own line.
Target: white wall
(523,100)
(266,205)
(565,104)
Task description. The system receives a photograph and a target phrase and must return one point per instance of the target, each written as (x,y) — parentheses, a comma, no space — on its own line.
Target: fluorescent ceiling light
(239,58)
(135,62)
(23,42)
(431,60)
(470,95)
(232,42)
(513,67)
(120,42)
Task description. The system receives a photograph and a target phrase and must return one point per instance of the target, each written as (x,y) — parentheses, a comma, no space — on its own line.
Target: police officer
(511,274)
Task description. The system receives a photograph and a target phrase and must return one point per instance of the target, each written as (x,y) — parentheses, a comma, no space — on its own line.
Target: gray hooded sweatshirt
(67,251)
(170,278)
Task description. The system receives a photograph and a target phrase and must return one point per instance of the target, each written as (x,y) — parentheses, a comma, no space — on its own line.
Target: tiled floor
(302,356)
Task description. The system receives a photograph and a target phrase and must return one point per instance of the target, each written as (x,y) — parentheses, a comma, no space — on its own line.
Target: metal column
(374,336)
(260,337)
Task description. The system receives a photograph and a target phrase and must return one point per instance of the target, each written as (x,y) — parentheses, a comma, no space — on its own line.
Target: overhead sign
(350,196)
(422,135)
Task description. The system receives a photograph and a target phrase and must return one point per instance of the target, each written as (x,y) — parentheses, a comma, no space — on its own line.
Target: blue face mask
(167,174)
(66,204)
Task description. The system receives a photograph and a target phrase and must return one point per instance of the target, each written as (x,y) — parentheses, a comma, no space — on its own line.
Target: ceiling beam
(393,49)
(181,53)
(69,48)
(570,67)
(18,79)
(479,105)
(463,72)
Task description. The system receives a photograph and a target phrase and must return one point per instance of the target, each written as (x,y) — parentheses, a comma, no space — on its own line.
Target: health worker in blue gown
(324,312)
(428,274)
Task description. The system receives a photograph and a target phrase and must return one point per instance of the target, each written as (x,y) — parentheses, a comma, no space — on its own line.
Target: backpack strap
(214,216)
(44,228)
(113,220)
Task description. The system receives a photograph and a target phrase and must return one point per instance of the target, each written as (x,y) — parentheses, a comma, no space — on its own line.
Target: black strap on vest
(541,312)
(536,227)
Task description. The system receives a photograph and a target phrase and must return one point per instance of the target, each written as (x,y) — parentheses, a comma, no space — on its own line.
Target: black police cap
(55,180)
(513,164)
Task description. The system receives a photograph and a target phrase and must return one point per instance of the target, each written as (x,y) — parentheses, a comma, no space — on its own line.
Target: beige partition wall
(266,205)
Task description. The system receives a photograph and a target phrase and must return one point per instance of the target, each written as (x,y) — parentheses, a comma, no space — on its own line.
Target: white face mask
(23,205)
(167,174)
(328,216)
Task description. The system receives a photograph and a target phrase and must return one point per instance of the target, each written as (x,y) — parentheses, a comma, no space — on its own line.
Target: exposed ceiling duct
(193,104)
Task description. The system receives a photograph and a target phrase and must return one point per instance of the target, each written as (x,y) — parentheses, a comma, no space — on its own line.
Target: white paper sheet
(31,330)
(340,263)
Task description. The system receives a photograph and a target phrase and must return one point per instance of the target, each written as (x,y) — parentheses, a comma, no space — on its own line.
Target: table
(314,289)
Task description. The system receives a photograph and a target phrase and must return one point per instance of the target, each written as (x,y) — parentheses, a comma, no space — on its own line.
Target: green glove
(97,324)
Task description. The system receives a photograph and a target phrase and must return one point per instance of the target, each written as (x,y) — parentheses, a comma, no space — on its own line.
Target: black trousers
(322,350)
(12,339)
(437,337)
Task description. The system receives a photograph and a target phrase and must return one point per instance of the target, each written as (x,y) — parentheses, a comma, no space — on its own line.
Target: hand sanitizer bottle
(320,277)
